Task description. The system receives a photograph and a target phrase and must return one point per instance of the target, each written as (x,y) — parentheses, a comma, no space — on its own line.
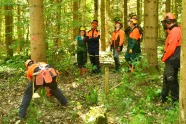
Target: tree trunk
(1,23)
(107,26)
(176,8)
(151,32)
(139,11)
(8,28)
(103,46)
(125,14)
(167,6)
(96,9)
(75,18)
(57,27)
(37,40)
(182,91)
(19,28)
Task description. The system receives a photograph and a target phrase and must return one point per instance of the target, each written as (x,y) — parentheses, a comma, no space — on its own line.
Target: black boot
(117,64)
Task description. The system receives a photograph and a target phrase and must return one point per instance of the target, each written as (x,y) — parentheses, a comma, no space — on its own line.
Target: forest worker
(81,50)
(171,58)
(93,46)
(132,52)
(117,43)
(127,30)
(42,74)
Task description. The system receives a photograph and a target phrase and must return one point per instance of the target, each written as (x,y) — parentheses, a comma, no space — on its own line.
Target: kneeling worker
(40,74)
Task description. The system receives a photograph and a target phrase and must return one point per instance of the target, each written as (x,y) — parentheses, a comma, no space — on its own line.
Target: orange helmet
(169,16)
(28,63)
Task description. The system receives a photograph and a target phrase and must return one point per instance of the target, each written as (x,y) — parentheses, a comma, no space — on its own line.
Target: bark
(139,11)
(57,27)
(167,6)
(1,23)
(19,28)
(8,28)
(103,46)
(75,18)
(182,91)
(125,14)
(176,8)
(37,39)
(96,9)
(151,33)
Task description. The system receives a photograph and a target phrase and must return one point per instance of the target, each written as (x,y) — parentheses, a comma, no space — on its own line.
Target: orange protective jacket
(117,38)
(44,73)
(173,40)
(93,39)
(31,69)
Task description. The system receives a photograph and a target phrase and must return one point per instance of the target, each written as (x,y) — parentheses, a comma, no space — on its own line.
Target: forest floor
(133,98)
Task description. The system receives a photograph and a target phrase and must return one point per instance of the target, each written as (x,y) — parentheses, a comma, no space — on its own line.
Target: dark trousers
(116,59)
(82,58)
(94,59)
(28,96)
(170,83)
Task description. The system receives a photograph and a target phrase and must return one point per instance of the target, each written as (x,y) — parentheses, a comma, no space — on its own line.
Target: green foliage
(92,96)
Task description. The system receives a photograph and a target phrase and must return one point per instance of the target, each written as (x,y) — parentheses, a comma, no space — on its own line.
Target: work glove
(119,49)
(130,51)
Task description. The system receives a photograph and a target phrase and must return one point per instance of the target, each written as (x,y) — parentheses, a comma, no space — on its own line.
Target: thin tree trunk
(1,23)
(139,11)
(19,28)
(8,28)
(176,8)
(38,44)
(75,18)
(57,27)
(96,9)
(167,6)
(107,26)
(182,91)
(125,14)
(103,46)
(151,33)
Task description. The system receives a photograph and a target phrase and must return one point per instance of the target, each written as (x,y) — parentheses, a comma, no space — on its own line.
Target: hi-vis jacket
(133,40)
(117,39)
(93,39)
(172,43)
(42,73)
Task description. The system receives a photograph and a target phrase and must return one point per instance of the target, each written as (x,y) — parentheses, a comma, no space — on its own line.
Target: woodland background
(45,30)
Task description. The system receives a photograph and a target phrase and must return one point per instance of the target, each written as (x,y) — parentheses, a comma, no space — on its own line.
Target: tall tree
(8,27)
(37,40)
(1,22)
(103,46)
(167,6)
(75,18)
(151,32)
(176,8)
(96,9)
(107,26)
(139,10)
(125,14)
(19,27)
(57,27)
(182,91)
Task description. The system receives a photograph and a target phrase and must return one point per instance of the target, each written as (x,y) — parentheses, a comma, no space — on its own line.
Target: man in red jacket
(171,58)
